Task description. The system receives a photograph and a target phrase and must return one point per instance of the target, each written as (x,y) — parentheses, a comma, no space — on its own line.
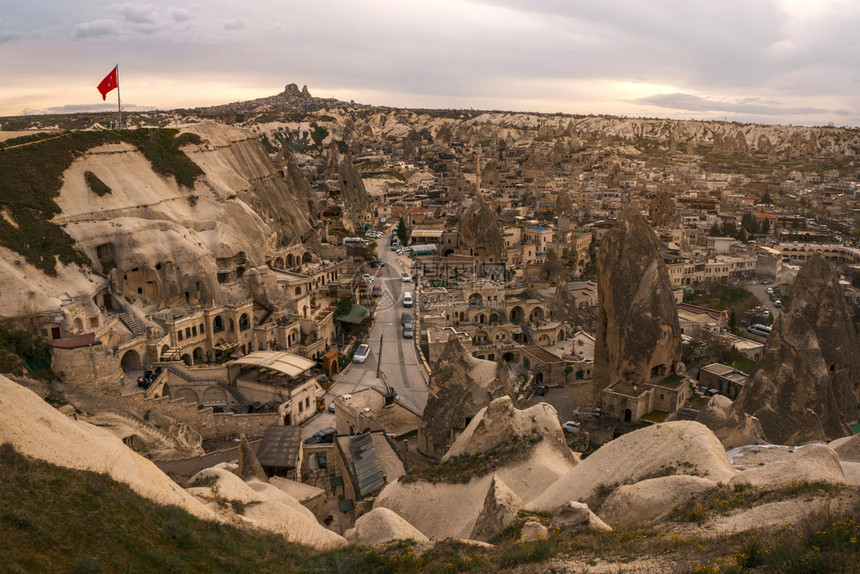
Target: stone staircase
(244,404)
(132,323)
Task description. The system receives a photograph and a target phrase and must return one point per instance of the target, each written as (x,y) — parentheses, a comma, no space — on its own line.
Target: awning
(355,315)
(282,362)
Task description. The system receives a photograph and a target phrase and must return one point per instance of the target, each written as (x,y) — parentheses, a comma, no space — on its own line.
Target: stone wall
(90,365)
(206,422)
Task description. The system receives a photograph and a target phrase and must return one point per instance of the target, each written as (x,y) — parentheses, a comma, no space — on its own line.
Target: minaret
(478,173)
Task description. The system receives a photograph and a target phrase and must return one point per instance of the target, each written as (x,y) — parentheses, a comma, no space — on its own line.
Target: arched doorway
(306,257)
(187,394)
(537,314)
(186,358)
(198,355)
(130,361)
(517,314)
(628,415)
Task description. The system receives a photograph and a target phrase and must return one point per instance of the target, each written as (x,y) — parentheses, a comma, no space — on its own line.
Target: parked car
(405,277)
(769,291)
(408,333)
(361,353)
(407,299)
(331,406)
(406,317)
(323,436)
(367,277)
(377,291)
(777,303)
(571,427)
(541,390)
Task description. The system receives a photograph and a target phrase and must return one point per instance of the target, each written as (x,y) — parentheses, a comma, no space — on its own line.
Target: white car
(769,291)
(367,277)
(405,277)
(361,353)
(571,427)
(407,299)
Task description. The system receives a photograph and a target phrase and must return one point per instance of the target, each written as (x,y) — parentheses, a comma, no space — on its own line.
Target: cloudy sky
(770,61)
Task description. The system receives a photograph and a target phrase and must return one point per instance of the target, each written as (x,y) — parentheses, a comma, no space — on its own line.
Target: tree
(749,222)
(765,226)
(766,198)
(403,232)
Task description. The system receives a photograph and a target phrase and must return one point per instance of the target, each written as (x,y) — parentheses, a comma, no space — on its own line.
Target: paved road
(760,291)
(400,364)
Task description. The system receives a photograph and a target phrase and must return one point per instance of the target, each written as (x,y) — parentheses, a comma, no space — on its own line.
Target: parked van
(407,299)
(760,330)
(355,241)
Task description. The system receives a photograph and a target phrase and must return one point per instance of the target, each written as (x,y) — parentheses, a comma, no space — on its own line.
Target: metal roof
(368,472)
(280,447)
(282,362)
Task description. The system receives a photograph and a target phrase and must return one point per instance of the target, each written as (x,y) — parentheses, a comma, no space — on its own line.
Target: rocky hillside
(141,207)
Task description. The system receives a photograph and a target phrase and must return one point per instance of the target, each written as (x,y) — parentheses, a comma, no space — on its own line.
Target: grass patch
(725,499)
(31,178)
(655,416)
(699,402)
(96,185)
(54,519)
(463,468)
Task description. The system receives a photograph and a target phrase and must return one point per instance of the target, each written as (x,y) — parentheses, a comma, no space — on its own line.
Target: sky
(766,61)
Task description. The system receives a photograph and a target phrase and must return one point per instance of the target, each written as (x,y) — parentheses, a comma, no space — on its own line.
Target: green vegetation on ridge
(31,178)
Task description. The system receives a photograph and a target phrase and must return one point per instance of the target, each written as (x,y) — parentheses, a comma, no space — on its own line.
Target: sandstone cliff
(802,388)
(162,242)
(638,336)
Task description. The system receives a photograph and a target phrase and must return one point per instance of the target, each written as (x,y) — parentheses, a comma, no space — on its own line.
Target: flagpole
(118,104)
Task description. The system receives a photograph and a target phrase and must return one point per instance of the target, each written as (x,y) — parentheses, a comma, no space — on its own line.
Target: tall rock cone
(563,204)
(817,297)
(339,169)
(480,232)
(249,464)
(802,388)
(460,386)
(638,336)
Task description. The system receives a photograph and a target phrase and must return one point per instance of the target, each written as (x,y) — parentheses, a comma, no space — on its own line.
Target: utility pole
(379,358)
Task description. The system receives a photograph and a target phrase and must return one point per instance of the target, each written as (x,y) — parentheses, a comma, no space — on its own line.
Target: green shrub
(96,185)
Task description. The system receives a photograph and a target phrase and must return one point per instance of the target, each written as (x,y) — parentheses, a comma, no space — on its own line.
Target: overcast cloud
(771,61)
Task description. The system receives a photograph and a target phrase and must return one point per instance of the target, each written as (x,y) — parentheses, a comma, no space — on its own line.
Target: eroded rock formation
(802,388)
(662,211)
(638,336)
(347,181)
(480,232)
(460,386)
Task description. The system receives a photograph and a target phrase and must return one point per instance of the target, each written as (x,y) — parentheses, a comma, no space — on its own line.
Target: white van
(760,330)
(407,299)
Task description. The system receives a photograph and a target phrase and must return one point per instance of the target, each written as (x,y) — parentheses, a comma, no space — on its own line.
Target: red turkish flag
(109,83)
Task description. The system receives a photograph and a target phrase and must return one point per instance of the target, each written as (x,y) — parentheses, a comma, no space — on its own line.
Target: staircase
(132,323)
(244,404)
